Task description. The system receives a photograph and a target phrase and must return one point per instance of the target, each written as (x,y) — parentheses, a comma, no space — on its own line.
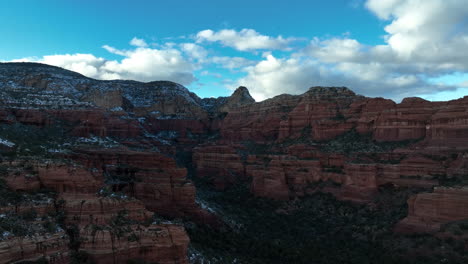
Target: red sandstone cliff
(428,211)
(327,139)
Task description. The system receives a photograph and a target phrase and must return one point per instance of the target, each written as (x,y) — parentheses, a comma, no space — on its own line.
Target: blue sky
(389,48)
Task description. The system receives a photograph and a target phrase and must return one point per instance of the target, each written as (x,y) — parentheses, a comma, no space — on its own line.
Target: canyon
(93,169)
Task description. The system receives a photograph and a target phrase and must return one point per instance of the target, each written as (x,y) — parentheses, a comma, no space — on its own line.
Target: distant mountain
(34,85)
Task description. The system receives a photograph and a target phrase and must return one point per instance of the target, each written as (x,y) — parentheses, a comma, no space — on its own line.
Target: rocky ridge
(128,147)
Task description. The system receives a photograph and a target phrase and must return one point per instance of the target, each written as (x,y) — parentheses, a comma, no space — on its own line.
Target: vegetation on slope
(317,229)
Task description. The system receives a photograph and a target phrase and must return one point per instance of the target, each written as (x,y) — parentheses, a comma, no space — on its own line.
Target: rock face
(428,211)
(318,119)
(69,180)
(319,114)
(110,229)
(115,152)
(44,86)
(157,243)
(150,177)
(259,121)
(240,97)
(54,248)
(304,142)
(221,163)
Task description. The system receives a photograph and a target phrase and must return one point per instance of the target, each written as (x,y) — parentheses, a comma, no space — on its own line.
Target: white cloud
(244,40)
(335,49)
(295,74)
(424,28)
(195,51)
(85,64)
(214,74)
(425,39)
(114,50)
(231,63)
(273,76)
(464,84)
(138,42)
(147,64)
(141,63)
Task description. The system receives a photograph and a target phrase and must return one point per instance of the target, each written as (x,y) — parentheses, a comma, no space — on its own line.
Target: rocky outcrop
(407,121)
(239,98)
(319,114)
(113,228)
(222,164)
(69,179)
(428,211)
(447,129)
(52,248)
(300,168)
(94,210)
(152,178)
(259,121)
(165,244)
(116,230)
(42,86)
(115,162)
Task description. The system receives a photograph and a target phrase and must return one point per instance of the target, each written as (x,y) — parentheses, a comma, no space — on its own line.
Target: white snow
(7,143)
(116,109)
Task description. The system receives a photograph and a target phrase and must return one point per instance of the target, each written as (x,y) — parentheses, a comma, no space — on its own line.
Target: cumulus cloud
(425,39)
(148,64)
(244,40)
(138,42)
(273,76)
(295,74)
(425,30)
(336,49)
(201,56)
(194,51)
(85,64)
(141,63)
(231,63)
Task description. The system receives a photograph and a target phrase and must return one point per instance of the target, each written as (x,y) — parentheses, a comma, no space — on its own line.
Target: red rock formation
(23,181)
(69,179)
(282,176)
(428,211)
(95,210)
(448,127)
(108,239)
(366,112)
(360,182)
(405,122)
(416,171)
(324,114)
(222,164)
(180,126)
(78,187)
(156,180)
(321,110)
(54,248)
(165,244)
(259,121)
(296,126)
